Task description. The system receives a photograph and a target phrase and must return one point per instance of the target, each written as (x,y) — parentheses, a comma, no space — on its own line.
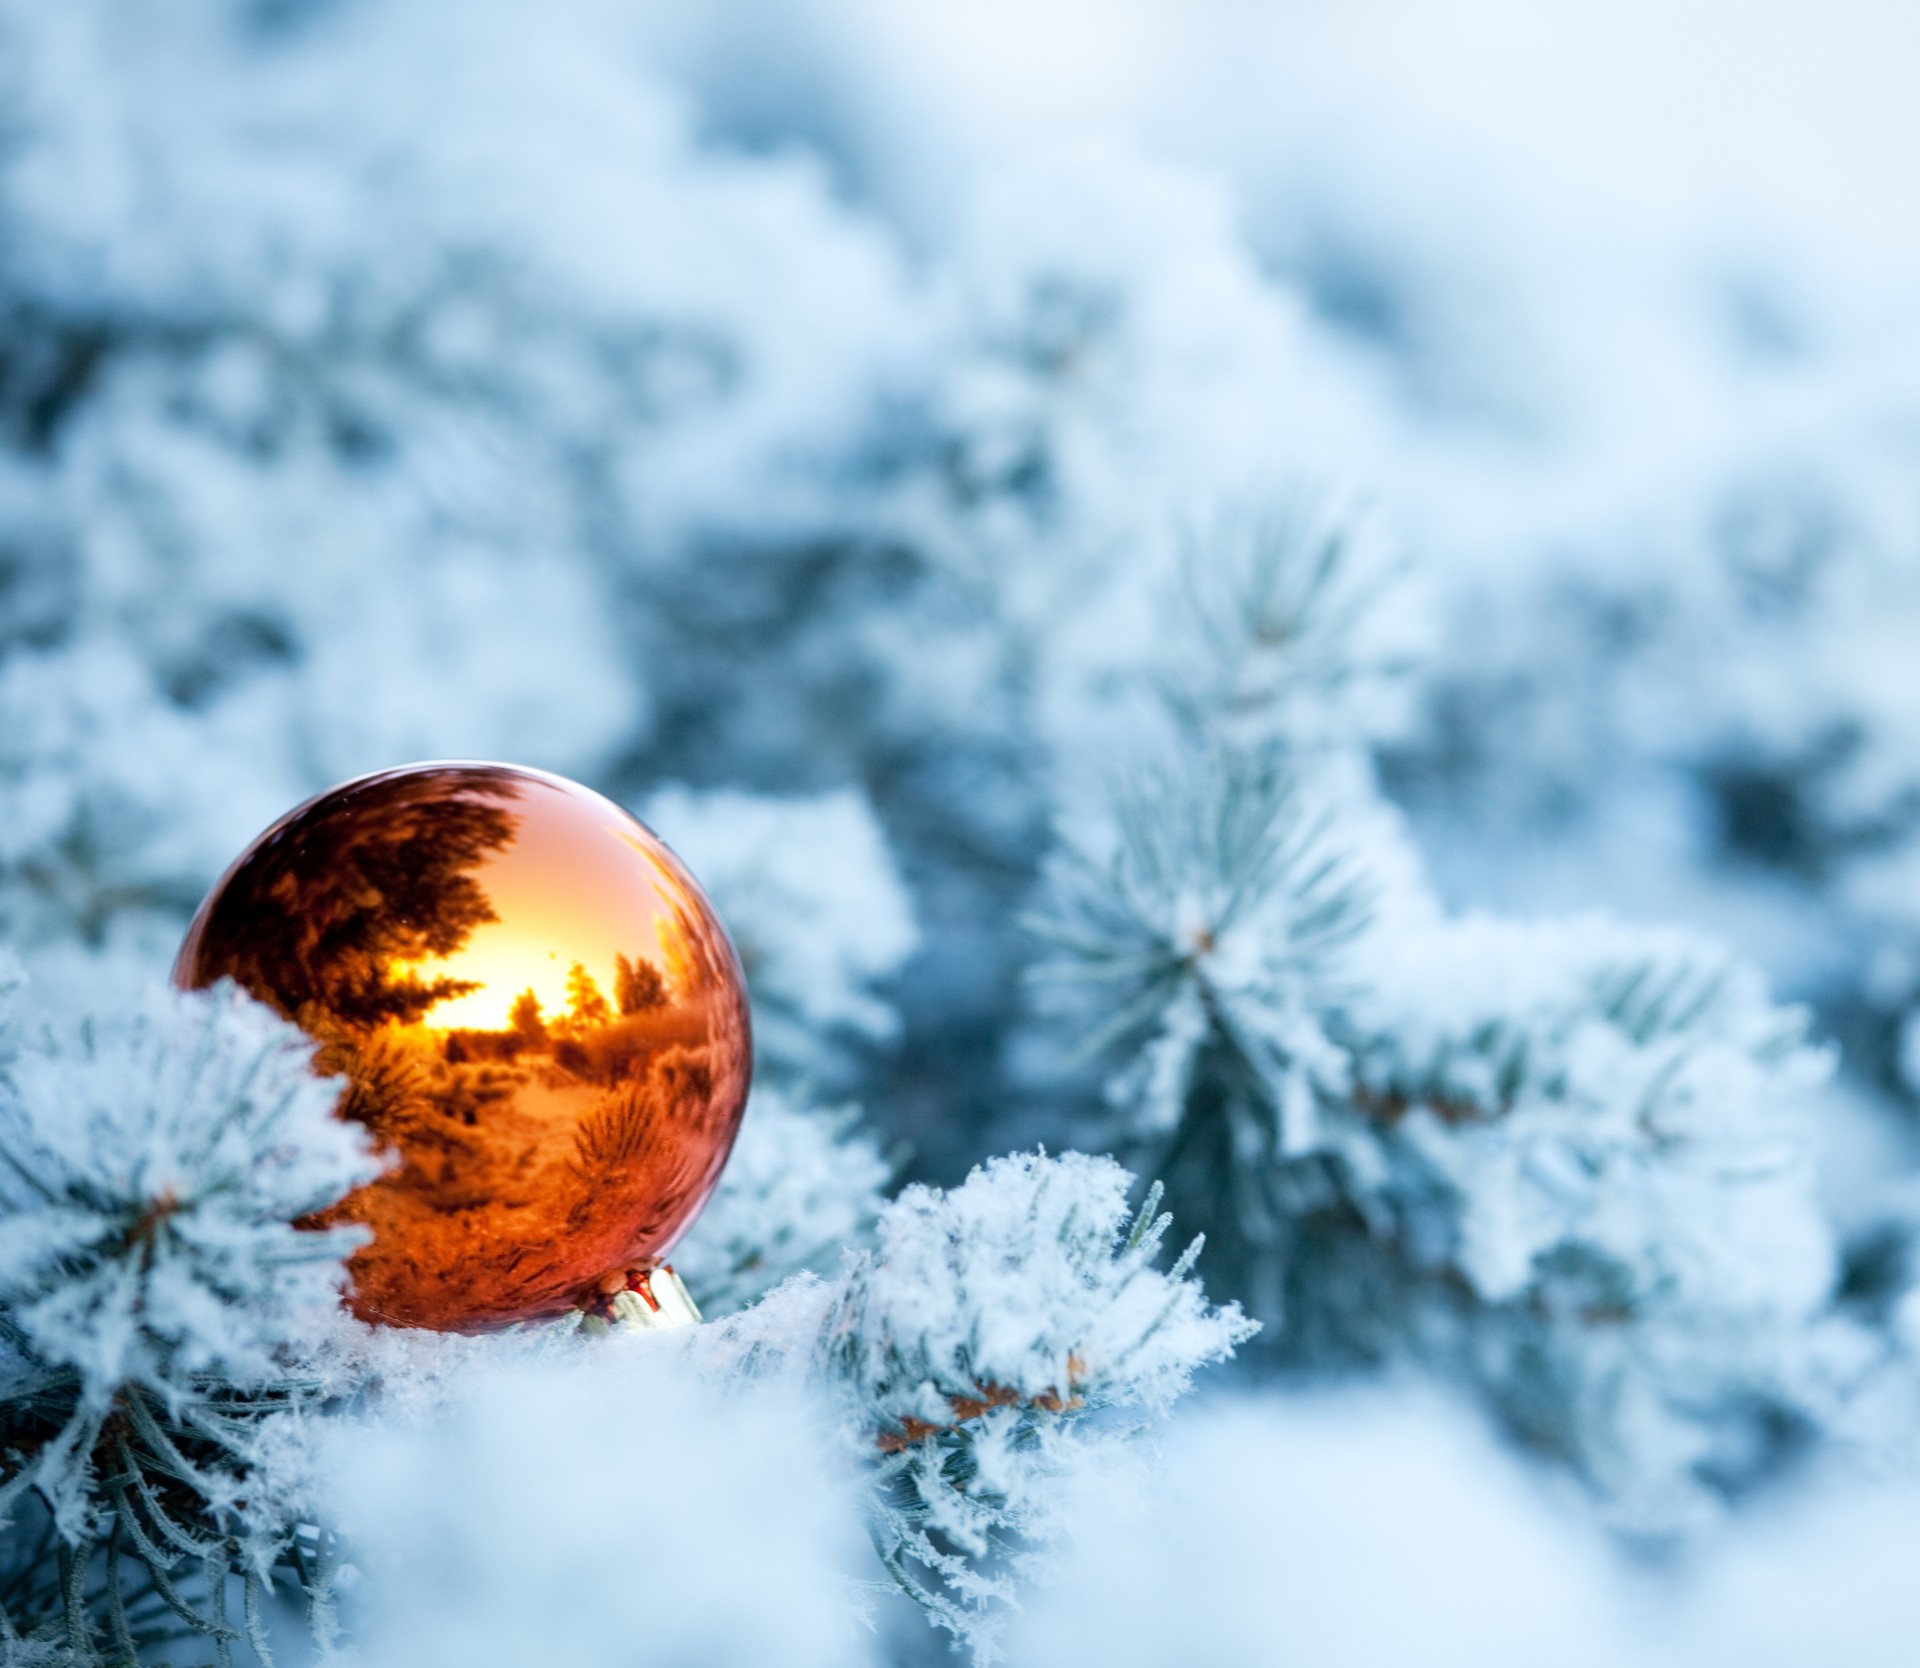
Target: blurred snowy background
(795,419)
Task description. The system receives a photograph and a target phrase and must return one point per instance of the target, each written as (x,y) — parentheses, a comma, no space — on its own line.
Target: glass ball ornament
(535,1009)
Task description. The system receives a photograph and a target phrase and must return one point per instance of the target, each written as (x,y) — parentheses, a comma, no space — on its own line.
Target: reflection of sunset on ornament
(565,896)
(536,1010)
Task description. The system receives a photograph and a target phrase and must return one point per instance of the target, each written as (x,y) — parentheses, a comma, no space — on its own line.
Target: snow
(152,1175)
(897,450)
(600,1512)
(1243,1547)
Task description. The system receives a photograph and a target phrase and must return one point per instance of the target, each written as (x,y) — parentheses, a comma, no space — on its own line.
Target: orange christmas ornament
(535,1007)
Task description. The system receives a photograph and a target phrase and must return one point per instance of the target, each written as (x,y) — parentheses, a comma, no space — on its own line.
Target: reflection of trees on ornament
(332,918)
(660,1123)
(544,1141)
(637,985)
(586,1008)
(529,1026)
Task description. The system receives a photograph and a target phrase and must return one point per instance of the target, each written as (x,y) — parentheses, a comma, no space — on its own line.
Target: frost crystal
(1205,940)
(150,1177)
(1597,1137)
(556,383)
(972,1344)
(982,1329)
(162,1307)
(1567,1161)
(1032,1283)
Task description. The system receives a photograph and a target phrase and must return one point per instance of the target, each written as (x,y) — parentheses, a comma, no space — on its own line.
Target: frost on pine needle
(1583,1150)
(1288,623)
(153,1281)
(1567,1161)
(151,1177)
(802,1183)
(1200,953)
(1617,1069)
(973,1347)
(1033,1282)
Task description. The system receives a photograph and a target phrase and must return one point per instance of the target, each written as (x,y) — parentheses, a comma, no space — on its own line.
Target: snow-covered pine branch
(1565,1160)
(970,1351)
(1291,621)
(1198,954)
(1582,1150)
(157,1304)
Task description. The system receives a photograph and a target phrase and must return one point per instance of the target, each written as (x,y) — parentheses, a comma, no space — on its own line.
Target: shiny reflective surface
(536,1008)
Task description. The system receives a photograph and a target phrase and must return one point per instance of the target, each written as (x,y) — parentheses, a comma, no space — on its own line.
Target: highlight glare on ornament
(535,1007)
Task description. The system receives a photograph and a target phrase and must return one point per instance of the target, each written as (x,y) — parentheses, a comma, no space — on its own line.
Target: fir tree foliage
(1589,1146)
(1732,650)
(982,1333)
(1208,925)
(976,1348)
(159,1306)
(182,1402)
(1566,1161)
(383,382)
(1290,621)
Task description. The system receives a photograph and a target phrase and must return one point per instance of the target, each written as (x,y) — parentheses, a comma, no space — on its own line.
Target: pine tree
(586,1008)
(160,1311)
(637,985)
(1065,759)
(1562,1161)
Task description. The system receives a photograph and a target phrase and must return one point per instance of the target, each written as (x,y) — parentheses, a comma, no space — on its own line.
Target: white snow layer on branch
(1580,1084)
(151,1172)
(1572,1161)
(1025,1282)
(1121,348)
(1604,1136)
(1212,917)
(1031,1283)
(970,1346)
